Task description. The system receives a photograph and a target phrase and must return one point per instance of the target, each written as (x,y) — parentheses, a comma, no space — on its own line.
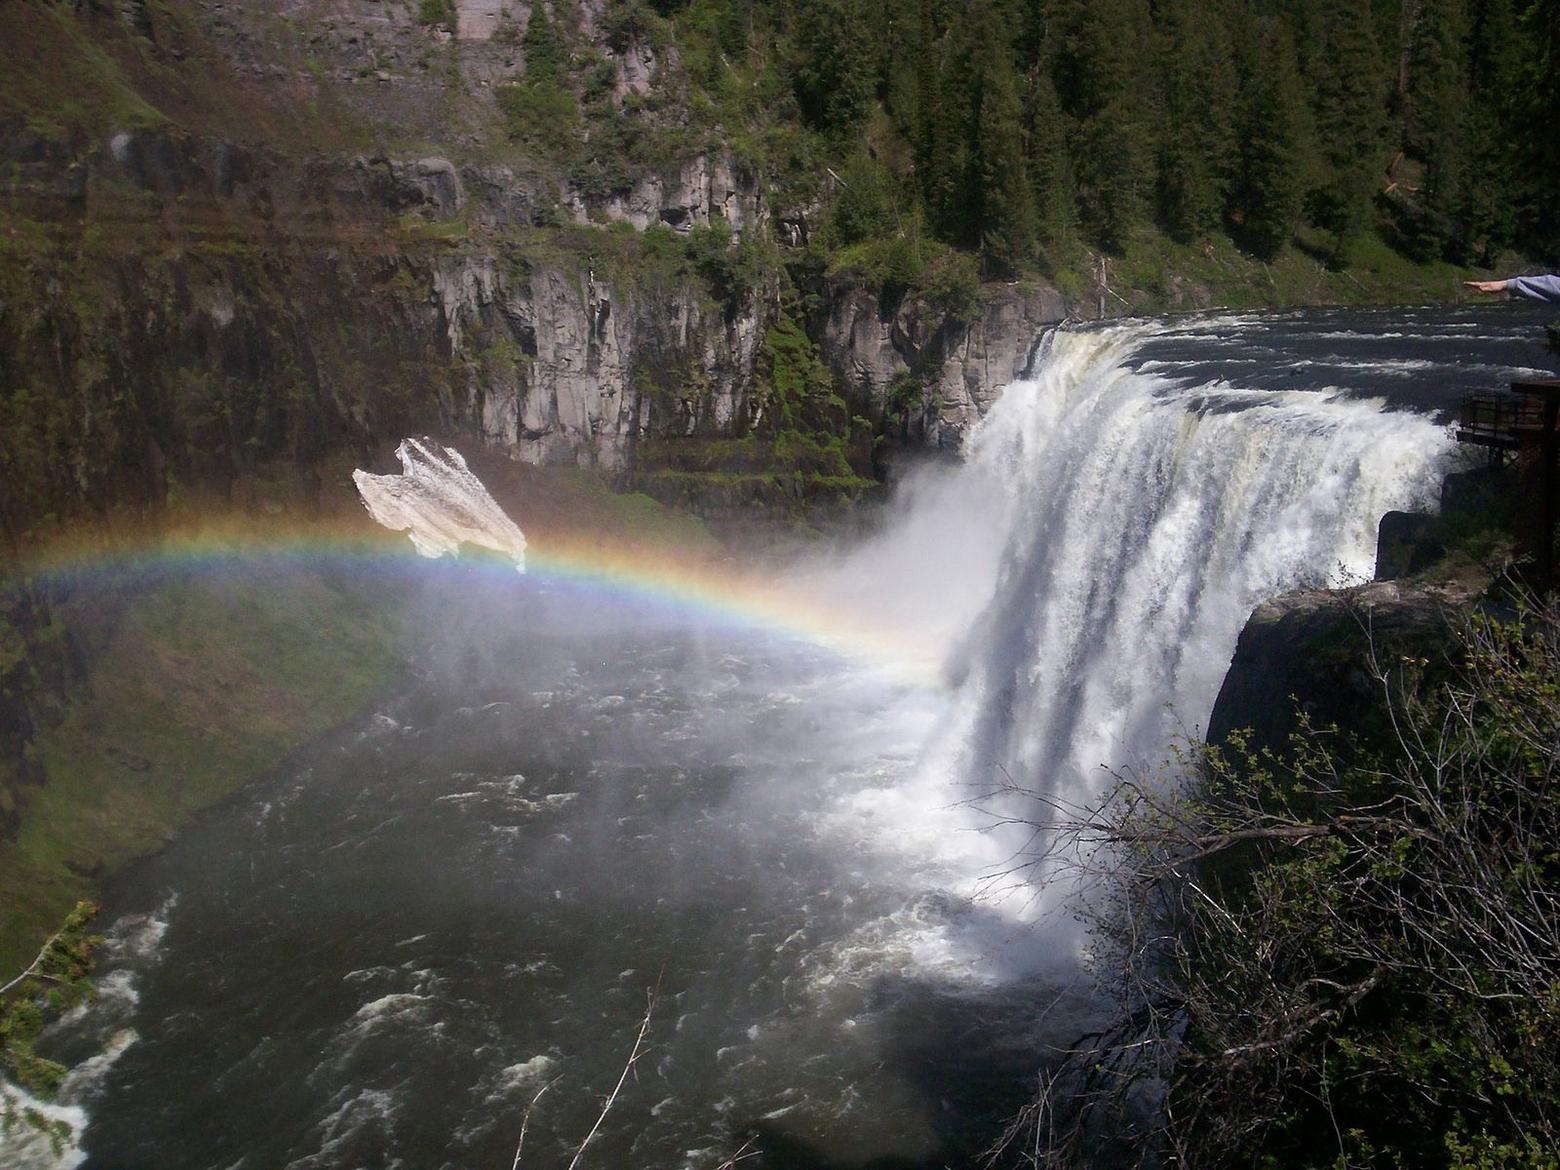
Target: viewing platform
(1512,420)
(1525,422)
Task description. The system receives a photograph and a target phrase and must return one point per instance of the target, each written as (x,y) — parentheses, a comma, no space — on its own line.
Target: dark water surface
(1426,358)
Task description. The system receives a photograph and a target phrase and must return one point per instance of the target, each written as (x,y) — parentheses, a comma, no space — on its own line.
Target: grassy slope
(204,683)
(1156,274)
(68,73)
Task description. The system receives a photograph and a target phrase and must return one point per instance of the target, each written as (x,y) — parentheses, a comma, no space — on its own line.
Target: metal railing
(1505,419)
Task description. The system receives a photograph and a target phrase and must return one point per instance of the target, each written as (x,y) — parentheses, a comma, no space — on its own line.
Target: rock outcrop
(1310,651)
(262,278)
(961,367)
(305,317)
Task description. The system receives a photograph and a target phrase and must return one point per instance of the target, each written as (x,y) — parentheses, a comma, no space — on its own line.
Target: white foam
(399,1005)
(1084,575)
(343,1130)
(25,1147)
(526,1077)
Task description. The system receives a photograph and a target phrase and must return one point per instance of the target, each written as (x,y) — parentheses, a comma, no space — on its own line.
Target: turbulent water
(380,957)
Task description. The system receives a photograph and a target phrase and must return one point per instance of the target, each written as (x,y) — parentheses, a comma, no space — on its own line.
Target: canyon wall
(317,237)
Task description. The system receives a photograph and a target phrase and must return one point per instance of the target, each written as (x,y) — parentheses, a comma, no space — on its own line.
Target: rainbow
(696,587)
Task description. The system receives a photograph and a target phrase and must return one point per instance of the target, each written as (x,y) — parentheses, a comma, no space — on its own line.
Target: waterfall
(1140,521)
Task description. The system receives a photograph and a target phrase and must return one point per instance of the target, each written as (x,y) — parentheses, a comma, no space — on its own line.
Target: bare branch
(633,1057)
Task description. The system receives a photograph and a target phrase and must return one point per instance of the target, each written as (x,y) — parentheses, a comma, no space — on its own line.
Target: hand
(1486,286)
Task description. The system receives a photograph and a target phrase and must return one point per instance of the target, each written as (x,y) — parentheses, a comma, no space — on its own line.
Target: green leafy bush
(541,114)
(952,285)
(430,12)
(55,980)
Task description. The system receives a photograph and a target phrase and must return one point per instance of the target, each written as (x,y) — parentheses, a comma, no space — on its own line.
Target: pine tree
(1351,108)
(1435,127)
(1197,152)
(949,180)
(1007,220)
(836,74)
(545,55)
(1050,163)
(1494,70)
(1115,172)
(1539,118)
(1275,134)
(1102,46)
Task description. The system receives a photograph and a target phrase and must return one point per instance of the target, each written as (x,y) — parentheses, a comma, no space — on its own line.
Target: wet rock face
(1406,544)
(1308,651)
(38,664)
(551,360)
(960,368)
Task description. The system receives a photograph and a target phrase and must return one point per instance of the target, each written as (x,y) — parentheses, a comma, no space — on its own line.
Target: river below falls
(584,808)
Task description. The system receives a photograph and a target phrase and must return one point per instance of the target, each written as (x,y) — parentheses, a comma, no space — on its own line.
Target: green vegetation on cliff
(1035,134)
(54,981)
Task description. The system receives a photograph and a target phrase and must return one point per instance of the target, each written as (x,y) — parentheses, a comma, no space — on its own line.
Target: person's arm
(1537,288)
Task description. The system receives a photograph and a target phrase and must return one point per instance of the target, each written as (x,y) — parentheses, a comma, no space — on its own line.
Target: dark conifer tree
(1050,163)
(1102,48)
(1350,118)
(545,55)
(1197,140)
(949,178)
(1031,122)
(1538,122)
(1007,218)
(1275,157)
(1436,127)
(836,66)
(1491,193)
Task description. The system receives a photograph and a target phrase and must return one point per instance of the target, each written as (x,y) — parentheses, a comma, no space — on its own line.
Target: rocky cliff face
(960,367)
(203,305)
(189,292)
(38,663)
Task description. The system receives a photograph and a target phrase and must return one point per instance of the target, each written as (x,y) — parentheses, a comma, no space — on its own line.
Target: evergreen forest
(1030,131)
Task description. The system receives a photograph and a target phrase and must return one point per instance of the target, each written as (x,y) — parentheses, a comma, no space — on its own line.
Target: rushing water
(380,956)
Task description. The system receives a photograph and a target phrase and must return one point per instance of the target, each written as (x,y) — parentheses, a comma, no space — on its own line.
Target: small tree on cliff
(53,982)
(1337,959)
